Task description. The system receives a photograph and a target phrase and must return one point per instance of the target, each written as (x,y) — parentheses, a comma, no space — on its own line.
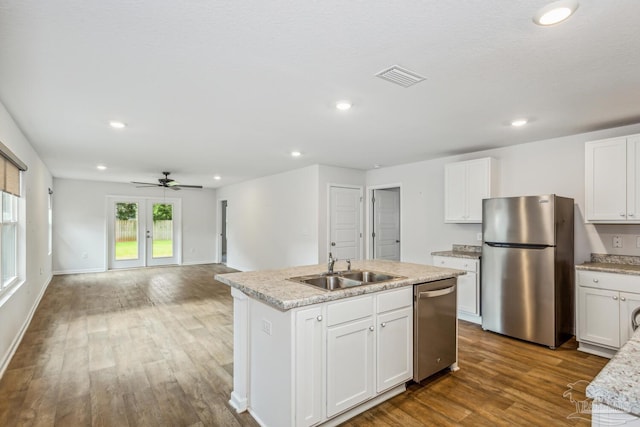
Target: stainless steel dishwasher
(434,327)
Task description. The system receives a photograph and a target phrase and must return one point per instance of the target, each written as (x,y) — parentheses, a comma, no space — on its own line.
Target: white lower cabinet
(350,375)
(604,310)
(308,366)
(599,316)
(351,351)
(468,285)
(394,348)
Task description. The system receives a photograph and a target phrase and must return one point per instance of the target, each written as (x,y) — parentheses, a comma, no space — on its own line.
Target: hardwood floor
(153,347)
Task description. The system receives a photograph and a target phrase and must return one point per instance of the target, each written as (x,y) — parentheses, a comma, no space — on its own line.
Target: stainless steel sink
(368,276)
(344,279)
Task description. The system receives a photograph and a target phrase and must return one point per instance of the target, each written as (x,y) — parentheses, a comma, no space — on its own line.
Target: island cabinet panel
(394,348)
(309,366)
(349,365)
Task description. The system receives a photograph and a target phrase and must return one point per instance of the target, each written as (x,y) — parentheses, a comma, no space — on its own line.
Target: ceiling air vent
(400,76)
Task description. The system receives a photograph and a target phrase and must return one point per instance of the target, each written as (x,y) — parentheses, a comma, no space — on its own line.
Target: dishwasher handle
(436,293)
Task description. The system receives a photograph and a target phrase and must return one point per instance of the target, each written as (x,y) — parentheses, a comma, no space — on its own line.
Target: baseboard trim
(89,270)
(198,262)
(18,339)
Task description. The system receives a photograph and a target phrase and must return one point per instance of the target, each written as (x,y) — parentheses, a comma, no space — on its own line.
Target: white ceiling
(231,87)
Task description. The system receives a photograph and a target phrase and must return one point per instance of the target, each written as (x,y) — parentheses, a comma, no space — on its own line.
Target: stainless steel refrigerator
(527,277)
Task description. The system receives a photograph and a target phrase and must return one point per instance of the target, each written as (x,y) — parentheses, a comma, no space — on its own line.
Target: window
(9,240)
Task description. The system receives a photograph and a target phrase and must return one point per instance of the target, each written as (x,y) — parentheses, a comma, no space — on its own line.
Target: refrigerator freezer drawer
(518,292)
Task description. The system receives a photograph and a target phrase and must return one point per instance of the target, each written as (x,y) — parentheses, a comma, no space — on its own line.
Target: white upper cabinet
(465,185)
(612,180)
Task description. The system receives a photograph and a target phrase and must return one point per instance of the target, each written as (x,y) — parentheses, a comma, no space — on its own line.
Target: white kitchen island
(305,356)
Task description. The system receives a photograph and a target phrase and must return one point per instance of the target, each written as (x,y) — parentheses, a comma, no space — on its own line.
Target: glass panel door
(143,232)
(126,245)
(161,232)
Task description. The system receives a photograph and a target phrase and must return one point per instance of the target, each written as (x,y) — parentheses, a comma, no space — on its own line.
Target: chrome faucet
(330,264)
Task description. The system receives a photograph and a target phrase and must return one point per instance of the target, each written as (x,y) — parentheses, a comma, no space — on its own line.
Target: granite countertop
(273,288)
(461,251)
(621,264)
(618,384)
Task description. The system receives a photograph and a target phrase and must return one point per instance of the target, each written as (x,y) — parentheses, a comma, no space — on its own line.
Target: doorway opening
(223,233)
(385,223)
(143,232)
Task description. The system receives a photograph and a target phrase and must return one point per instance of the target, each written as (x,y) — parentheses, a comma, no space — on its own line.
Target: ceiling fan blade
(146,183)
(175,188)
(190,186)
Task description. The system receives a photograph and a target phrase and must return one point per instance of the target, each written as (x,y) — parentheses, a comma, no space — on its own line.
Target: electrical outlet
(617,241)
(266,326)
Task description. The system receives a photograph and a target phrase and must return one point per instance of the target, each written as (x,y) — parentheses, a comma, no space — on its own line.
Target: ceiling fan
(165,182)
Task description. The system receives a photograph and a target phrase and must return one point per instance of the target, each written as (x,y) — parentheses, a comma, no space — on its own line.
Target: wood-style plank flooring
(153,347)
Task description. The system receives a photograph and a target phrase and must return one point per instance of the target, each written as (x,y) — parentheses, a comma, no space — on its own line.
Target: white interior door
(143,232)
(345,212)
(386,224)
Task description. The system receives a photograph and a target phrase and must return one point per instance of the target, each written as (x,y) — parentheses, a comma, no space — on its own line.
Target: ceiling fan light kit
(165,182)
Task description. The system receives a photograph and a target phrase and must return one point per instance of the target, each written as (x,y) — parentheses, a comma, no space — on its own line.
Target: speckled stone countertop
(618,384)
(621,264)
(461,251)
(273,288)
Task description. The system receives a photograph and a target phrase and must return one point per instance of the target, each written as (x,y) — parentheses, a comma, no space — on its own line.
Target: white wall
(550,166)
(16,307)
(80,221)
(272,222)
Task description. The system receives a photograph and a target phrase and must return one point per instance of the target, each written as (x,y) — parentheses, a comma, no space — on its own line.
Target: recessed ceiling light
(217,177)
(519,122)
(296,154)
(555,12)
(376,166)
(343,105)
(101,167)
(116,124)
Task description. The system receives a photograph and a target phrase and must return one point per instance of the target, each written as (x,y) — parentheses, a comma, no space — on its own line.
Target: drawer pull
(595,280)
(623,299)
(319,318)
(371,328)
(383,324)
(615,298)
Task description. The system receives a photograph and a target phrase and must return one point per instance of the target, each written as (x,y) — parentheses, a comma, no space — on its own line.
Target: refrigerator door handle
(516,245)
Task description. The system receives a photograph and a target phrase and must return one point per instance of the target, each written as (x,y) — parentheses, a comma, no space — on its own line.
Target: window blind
(10,168)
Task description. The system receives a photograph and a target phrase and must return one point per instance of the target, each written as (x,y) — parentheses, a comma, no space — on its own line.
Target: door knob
(397,241)
(333,243)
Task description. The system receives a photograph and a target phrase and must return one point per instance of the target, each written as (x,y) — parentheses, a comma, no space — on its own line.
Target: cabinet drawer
(395,299)
(466,264)
(352,309)
(611,281)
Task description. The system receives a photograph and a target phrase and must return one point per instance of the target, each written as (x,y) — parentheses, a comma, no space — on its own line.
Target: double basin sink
(344,279)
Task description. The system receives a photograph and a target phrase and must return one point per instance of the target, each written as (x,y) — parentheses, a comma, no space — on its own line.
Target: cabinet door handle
(615,298)
(595,280)
(371,328)
(629,214)
(319,318)
(623,299)
(622,214)
(383,324)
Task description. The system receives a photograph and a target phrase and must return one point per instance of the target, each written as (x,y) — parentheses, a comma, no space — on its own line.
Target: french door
(143,232)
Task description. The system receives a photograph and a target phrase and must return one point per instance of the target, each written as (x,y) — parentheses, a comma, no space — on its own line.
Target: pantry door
(143,232)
